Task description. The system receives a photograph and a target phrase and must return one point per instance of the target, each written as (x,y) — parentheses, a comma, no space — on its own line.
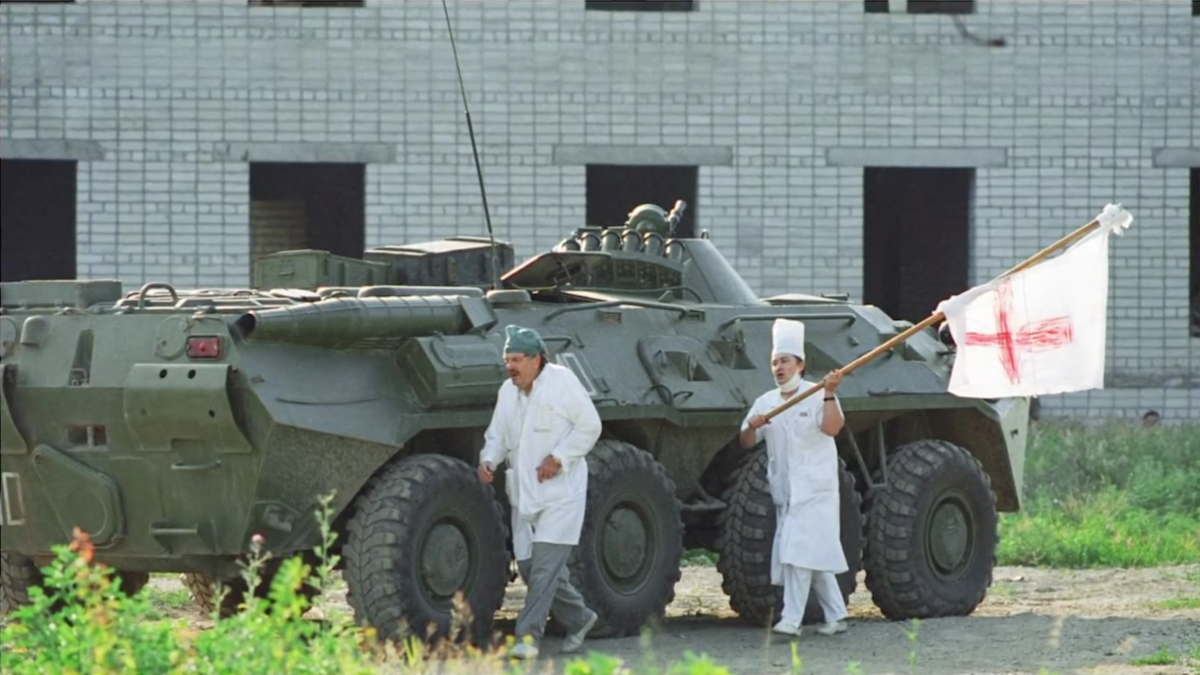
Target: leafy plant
(1110,496)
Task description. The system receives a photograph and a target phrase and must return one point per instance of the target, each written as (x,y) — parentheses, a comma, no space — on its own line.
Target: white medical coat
(802,471)
(557,418)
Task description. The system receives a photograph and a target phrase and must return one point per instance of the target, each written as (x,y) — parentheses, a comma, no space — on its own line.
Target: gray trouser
(550,590)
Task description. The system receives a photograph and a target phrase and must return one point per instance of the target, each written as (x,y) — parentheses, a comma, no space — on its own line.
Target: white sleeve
(756,409)
(585,423)
(494,450)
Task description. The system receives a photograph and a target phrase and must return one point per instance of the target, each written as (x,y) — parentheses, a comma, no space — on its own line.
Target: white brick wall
(1079,100)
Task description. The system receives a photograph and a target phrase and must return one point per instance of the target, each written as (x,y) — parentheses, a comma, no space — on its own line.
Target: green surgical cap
(522,340)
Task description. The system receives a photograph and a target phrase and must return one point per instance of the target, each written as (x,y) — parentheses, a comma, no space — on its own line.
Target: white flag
(1039,331)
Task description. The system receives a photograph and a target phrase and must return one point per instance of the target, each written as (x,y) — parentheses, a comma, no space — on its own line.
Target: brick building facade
(896,151)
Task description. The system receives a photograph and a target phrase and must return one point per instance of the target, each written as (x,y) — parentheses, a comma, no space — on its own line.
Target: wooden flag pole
(934,318)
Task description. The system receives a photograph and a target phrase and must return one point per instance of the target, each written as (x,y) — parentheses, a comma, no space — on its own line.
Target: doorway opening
(307,205)
(916,237)
(1194,258)
(37,219)
(614,190)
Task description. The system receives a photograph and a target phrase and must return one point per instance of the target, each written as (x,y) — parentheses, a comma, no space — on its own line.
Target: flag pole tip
(1115,219)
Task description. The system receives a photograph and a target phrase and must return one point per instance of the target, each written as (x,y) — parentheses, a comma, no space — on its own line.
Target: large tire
(424,529)
(627,562)
(132,583)
(17,575)
(203,588)
(934,488)
(747,528)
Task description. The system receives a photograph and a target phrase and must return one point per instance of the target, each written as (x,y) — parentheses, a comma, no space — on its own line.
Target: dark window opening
(941,6)
(1195,7)
(641,5)
(305,3)
(307,206)
(1194,239)
(37,219)
(614,190)
(923,6)
(916,225)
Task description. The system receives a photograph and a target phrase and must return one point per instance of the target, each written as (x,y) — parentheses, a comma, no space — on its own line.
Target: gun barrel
(677,211)
(342,322)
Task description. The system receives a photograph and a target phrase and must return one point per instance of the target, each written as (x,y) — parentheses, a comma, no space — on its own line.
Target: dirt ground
(1094,622)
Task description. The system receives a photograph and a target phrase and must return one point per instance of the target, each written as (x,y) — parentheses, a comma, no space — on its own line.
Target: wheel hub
(445,559)
(625,542)
(949,536)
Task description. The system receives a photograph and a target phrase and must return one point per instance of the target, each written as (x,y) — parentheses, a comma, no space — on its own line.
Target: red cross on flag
(1040,330)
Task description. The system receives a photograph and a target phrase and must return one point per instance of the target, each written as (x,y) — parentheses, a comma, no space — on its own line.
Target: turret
(641,257)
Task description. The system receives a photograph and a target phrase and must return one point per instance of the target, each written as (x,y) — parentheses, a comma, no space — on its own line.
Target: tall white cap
(788,338)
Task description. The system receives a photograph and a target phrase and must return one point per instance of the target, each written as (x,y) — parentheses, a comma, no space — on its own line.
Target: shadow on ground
(1023,643)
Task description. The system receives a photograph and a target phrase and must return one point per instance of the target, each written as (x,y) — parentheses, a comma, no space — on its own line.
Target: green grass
(1157,468)
(1163,657)
(699,557)
(1177,604)
(1112,496)
(1102,530)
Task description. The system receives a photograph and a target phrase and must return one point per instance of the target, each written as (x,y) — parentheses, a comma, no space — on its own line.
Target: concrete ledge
(28,148)
(644,155)
(1176,158)
(918,157)
(349,153)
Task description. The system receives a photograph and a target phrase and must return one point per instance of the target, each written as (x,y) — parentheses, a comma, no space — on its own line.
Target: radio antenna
(475,151)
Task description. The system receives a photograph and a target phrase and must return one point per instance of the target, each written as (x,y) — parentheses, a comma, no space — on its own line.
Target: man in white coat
(544,424)
(802,471)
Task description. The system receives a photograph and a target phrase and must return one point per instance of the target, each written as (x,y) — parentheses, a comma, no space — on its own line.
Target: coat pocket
(556,489)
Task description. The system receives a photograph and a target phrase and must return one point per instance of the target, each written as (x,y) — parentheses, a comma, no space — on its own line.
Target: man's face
(785,367)
(522,368)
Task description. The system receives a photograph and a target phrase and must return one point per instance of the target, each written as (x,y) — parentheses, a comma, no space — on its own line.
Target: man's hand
(549,468)
(832,381)
(758,421)
(486,472)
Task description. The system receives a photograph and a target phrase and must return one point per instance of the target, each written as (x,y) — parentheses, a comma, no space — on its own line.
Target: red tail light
(204,347)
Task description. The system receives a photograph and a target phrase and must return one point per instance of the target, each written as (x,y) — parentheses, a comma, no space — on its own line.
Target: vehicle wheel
(748,531)
(17,575)
(20,574)
(933,533)
(132,583)
(203,588)
(627,562)
(423,530)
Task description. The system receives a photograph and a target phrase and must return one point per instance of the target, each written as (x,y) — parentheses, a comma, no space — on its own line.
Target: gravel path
(1092,622)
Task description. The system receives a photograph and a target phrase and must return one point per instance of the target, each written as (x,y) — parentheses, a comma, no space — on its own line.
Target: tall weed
(79,621)
(1112,496)
(1158,468)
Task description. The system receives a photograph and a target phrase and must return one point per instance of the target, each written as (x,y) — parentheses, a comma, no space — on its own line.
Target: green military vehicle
(174,425)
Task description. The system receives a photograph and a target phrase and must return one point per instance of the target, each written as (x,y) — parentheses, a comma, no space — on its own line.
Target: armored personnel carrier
(174,425)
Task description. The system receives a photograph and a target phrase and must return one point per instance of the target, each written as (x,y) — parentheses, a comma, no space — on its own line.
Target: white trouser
(796,583)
